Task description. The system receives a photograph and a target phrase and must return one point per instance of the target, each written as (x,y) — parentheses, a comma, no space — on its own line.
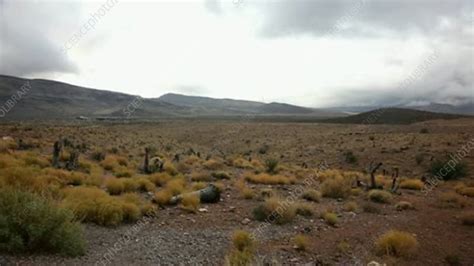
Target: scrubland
(290,193)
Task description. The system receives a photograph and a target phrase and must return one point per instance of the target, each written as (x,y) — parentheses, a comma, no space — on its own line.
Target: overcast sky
(306,52)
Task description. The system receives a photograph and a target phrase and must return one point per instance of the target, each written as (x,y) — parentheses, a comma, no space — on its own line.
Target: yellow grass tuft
(268,179)
(397,243)
(414,184)
(301,242)
(312,195)
(452,200)
(190,202)
(380,196)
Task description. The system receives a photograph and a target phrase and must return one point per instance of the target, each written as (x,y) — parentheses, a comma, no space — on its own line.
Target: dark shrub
(451,170)
(31,223)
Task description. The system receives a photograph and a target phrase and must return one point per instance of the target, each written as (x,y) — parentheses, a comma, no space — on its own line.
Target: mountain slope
(392,116)
(239,107)
(48,99)
(53,100)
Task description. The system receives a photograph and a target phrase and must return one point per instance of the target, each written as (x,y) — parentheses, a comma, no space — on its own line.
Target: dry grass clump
(244,190)
(404,205)
(170,168)
(201,176)
(275,210)
(176,186)
(242,163)
(198,185)
(452,200)
(163,197)
(190,202)
(336,187)
(351,206)
(464,190)
(330,218)
(90,204)
(144,207)
(414,184)
(7,145)
(304,209)
(93,205)
(113,162)
(30,179)
(192,160)
(312,195)
(160,179)
(396,243)
(115,186)
(380,196)
(301,242)
(468,218)
(213,164)
(267,179)
(145,185)
(243,249)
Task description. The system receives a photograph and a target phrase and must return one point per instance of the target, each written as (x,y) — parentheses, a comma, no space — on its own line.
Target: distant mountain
(463,109)
(47,99)
(239,107)
(392,116)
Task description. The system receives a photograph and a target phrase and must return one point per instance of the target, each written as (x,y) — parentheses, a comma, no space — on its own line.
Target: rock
(245,221)
(203,210)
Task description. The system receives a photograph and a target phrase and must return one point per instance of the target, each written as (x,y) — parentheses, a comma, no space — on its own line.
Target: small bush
(424,131)
(114,186)
(312,195)
(170,168)
(467,191)
(242,240)
(301,242)
(270,179)
(275,210)
(160,179)
(396,243)
(221,175)
(213,164)
(414,184)
(380,196)
(30,223)
(243,251)
(351,206)
(336,187)
(145,185)
(452,200)
(201,176)
(442,166)
(330,218)
(404,205)
(163,197)
(304,209)
(190,202)
(271,165)
(453,260)
(349,157)
(468,218)
(130,185)
(419,158)
(370,207)
(176,186)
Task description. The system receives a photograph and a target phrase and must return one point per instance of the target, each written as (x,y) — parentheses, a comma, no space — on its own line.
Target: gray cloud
(31,36)
(360,17)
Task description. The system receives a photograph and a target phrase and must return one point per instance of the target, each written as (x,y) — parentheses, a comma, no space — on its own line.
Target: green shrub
(457,171)
(31,223)
(349,157)
(271,165)
(380,196)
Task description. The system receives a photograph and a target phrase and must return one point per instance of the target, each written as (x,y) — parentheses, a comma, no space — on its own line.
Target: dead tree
(373,169)
(394,181)
(146,164)
(56,153)
(209,194)
(73,161)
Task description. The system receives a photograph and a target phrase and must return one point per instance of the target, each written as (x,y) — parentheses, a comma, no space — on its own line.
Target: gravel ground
(152,245)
